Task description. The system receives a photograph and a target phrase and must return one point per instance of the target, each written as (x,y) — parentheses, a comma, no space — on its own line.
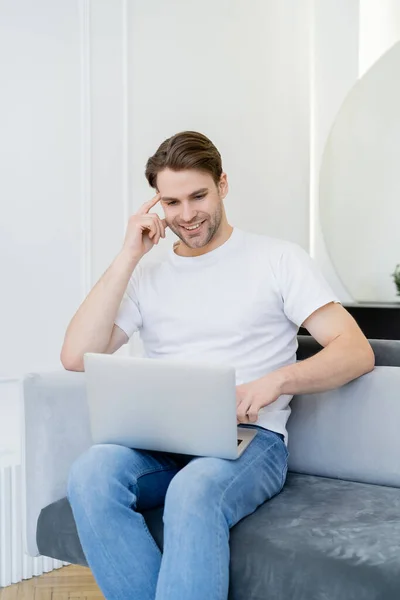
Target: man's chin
(192,241)
(194,244)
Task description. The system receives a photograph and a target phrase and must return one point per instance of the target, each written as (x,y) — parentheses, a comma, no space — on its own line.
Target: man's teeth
(194,227)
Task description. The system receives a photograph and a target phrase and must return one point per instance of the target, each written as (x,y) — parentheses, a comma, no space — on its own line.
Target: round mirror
(360,184)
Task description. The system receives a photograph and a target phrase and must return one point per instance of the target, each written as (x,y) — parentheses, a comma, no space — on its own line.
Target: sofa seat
(320,539)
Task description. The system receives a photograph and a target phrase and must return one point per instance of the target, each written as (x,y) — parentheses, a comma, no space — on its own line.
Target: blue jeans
(203,498)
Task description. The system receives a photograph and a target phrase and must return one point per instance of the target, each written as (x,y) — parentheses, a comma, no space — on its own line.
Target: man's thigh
(116,468)
(238,486)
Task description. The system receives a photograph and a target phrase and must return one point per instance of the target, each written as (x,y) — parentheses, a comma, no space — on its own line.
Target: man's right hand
(144,230)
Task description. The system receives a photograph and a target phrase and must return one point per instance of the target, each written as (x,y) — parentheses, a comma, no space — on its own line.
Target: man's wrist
(130,259)
(282,379)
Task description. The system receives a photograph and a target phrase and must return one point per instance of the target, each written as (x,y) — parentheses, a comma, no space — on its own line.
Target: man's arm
(346,355)
(92,328)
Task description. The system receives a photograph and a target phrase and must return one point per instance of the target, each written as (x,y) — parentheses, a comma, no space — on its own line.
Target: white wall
(379,30)
(91,88)
(89,91)
(238,72)
(43,191)
(334,70)
(109,131)
(40,184)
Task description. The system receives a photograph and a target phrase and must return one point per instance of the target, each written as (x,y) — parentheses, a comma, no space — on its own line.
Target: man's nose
(188,213)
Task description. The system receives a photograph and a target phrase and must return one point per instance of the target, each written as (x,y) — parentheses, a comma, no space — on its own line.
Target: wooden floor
(68,583)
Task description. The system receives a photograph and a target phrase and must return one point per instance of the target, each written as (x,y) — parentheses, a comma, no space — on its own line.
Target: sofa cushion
(319,539)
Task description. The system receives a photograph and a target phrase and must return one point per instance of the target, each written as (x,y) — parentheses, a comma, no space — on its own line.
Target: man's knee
(194,490)
(96,469)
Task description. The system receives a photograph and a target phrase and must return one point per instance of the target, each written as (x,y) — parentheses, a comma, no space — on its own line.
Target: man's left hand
(252,396)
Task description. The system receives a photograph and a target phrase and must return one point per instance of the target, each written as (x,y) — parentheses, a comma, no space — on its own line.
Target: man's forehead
(182,182)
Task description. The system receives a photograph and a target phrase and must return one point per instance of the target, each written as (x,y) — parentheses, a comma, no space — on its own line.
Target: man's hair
(185,150)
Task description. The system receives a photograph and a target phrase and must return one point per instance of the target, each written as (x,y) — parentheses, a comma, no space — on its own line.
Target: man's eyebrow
(192,195)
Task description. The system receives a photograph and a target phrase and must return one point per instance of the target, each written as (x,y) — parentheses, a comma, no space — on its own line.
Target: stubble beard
(212,225)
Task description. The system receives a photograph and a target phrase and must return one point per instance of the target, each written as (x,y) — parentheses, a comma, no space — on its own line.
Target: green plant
(396,277)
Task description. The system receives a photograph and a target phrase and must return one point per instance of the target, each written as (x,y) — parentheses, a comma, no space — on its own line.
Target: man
(222,294)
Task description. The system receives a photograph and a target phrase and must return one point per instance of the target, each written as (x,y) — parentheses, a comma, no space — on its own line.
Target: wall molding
(85,146)
(130,347)
(125,115)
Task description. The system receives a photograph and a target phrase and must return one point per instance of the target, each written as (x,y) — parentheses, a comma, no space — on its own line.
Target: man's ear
(223,185)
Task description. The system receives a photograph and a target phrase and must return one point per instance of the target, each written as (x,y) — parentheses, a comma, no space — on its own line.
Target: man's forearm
(341,361)
(91,327)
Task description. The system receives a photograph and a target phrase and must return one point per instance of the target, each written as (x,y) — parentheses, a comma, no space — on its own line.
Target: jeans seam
(285,469)
(219,583)
(283,475)
(143,474)
(250,464)
(147,530)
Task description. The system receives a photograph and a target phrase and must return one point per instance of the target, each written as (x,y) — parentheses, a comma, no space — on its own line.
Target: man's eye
(199,197)
(171,203)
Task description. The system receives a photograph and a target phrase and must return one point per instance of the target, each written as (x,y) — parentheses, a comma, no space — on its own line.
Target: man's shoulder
(273,246)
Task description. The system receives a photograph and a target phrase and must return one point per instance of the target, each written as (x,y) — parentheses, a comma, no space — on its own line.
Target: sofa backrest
(349,433)
(387,352)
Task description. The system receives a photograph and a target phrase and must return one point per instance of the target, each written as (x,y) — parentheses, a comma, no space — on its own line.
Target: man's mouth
(193,227)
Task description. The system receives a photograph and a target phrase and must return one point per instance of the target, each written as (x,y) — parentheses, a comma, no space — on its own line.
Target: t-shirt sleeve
(301,284)
(128,316)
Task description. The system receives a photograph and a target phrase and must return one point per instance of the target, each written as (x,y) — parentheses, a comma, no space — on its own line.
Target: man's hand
(252,396)
(144,230)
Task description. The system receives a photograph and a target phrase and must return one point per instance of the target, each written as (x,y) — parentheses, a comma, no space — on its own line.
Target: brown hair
(185,150)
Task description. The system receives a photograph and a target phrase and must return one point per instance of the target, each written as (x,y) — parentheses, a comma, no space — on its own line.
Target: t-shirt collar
(210,257)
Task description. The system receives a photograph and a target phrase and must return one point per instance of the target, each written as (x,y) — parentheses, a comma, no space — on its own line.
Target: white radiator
(15,565)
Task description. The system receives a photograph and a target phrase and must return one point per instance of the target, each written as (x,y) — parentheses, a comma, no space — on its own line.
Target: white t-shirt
(239,305)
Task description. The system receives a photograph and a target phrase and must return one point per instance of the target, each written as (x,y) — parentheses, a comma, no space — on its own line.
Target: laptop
(164,405)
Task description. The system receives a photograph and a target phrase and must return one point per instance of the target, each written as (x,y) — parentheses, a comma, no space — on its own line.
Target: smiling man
(220,294)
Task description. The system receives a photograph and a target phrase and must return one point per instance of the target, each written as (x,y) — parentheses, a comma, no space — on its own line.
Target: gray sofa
(333,533)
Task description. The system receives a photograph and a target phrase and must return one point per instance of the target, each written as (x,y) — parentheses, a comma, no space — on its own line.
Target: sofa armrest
(350,432)
(55,431)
